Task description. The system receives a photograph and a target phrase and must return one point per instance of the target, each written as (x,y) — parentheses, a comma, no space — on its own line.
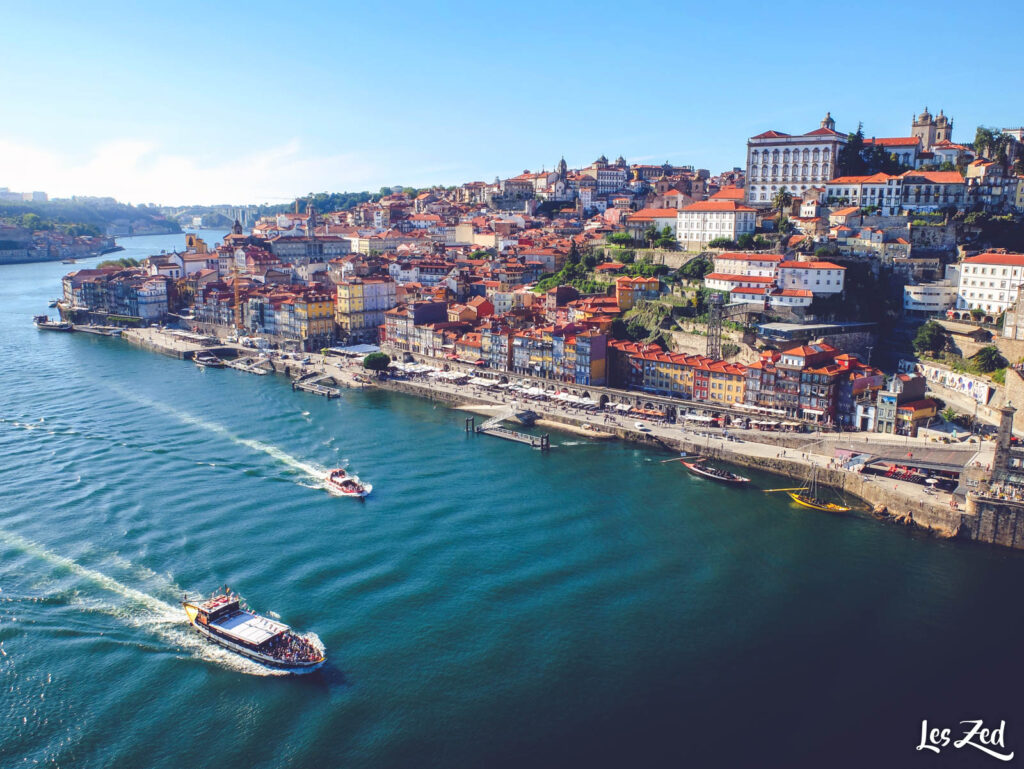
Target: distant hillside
(102,215)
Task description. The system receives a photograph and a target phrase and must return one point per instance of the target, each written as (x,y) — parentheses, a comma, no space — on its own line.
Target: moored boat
(697,467)
(816,504)
(340,482)
(222,619)
(206,359)
(44,323)
(807,496)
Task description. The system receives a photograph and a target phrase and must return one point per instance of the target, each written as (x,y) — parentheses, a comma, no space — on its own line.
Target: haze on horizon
(205,105)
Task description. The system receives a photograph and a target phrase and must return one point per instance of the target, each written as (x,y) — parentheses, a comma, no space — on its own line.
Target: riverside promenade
(793,455)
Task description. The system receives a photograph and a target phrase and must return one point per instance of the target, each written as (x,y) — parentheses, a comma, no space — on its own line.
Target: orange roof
(654,213)
(738,278)
(730,193)
(872,179)
(810,266)
(716,205)
(936,177)
(1015,260)
(845,211)
(751,257)
(898,141)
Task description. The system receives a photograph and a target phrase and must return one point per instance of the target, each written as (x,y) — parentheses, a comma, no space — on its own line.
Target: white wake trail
(141,610)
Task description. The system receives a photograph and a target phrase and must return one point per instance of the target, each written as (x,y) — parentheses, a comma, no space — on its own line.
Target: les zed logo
(985,740)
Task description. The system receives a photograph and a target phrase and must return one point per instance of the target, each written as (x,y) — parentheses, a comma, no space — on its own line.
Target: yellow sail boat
(807,496)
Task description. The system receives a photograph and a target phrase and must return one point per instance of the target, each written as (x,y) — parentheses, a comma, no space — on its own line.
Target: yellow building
(314,315)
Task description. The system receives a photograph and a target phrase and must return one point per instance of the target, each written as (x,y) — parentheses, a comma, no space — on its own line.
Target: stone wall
(933,238)
(997,521)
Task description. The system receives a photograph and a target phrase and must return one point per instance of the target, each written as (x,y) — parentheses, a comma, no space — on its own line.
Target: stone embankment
(987,520)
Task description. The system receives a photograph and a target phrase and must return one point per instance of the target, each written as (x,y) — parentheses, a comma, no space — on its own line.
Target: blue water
(487,605)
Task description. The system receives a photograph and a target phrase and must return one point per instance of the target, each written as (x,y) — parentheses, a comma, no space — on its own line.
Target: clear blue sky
(189,102)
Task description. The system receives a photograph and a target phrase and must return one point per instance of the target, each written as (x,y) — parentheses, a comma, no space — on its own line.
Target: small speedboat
(341,483)
(223,620)
(697,467)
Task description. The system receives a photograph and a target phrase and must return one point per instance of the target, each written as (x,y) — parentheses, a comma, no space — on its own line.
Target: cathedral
(931,130)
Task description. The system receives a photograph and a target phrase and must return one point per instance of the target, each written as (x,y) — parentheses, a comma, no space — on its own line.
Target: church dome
(924,117)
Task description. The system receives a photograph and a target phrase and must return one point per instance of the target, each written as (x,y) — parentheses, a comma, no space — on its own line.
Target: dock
(248,365)
(493,427)
(316,389)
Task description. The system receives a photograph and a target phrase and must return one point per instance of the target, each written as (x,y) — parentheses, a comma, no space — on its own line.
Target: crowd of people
(289,647)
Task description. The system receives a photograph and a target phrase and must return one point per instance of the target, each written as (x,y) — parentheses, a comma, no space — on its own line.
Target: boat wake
(310,469)
(137,609)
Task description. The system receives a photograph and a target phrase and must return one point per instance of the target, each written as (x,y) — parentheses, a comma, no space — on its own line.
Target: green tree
(376,361)
(619,239)
(988,359)
(745,242)
(696,269)
(850,157)
(931,337)
(948,414)
(782,201)
(722,243)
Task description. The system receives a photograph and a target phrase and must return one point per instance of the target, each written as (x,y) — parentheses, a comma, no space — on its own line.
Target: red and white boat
(341,483)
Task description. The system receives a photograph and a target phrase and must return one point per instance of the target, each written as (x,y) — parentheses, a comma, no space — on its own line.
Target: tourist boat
(340,482)
(43,322)
(67,261)
(807,496)
(54,303)
(697,467)
(206,359)
(223,620)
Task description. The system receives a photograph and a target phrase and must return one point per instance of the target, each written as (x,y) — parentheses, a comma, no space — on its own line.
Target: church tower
(924,129)
(828,122)
(943,128)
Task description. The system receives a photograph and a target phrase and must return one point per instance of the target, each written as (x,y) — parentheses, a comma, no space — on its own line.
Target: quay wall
(132,336)
(986,520)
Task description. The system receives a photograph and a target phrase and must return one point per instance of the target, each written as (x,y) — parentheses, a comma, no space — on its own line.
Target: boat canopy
(250,628)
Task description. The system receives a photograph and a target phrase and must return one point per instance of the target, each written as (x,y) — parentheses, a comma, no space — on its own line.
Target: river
(487,605)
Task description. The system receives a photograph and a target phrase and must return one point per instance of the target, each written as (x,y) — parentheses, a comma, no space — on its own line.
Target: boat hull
(735,480)
(255,656)
(813,504)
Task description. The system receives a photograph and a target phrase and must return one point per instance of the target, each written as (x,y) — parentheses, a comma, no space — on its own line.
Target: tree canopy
(859,158)
(988,359)
(376,361)
(931,337)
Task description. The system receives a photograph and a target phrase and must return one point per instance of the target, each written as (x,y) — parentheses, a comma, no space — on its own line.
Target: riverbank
(787,455)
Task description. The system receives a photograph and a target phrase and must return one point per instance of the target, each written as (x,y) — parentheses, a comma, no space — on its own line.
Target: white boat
(341,483)
(642,427)
(222,619)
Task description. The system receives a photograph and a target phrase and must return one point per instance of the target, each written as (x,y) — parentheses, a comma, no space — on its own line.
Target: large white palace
(776,160)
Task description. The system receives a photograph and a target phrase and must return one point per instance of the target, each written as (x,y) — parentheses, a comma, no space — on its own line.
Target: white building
(720,281)
(152,297)
(820,278)
(778,297)
(989,282)
(925,300)
(699,223)
(776,160)
(879,190)
(762,265)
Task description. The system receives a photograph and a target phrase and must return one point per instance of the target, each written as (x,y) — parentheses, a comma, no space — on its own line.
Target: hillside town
(840,280)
